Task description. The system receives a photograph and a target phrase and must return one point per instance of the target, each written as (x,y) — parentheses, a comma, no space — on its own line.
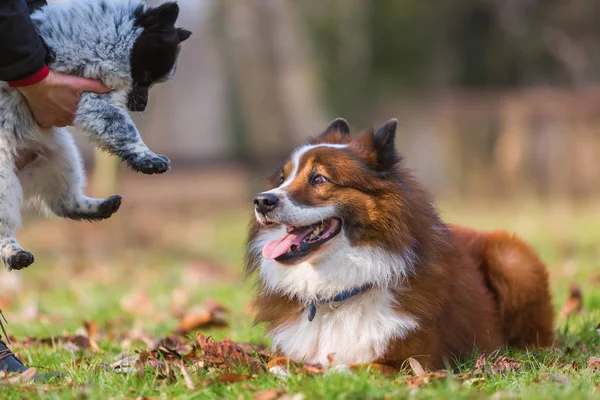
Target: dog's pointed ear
(383,140)
(337,125)
(167,13)
(183,34)
(156,17)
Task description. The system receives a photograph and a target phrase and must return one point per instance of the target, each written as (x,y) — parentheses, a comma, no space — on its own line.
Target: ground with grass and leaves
(153,304)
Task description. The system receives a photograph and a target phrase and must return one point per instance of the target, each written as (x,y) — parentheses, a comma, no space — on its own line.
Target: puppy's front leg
(113,130)
(11,195)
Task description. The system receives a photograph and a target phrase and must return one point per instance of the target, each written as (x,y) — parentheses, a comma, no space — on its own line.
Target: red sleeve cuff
(31,80)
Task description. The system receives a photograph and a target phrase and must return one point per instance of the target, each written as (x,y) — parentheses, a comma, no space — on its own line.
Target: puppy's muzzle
(265,202)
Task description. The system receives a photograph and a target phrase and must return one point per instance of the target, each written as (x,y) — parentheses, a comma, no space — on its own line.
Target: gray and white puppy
(126,45)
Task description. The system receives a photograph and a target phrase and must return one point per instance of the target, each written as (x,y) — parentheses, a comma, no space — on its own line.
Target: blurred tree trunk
(341,33)
(511,147)
(272,78)
(105,174)
(354,56)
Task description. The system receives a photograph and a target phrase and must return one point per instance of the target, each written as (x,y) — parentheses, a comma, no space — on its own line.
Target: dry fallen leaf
(280,362)
(312,369)
(175,346)
(226,355)
(23,378)
(480,363)
(419,381)
(68,342)
(500,365)
(256,350)
(574,304)
(94,346)
(270,394)
(211,314)
(91,329)
(282,366)
(416,367)
(593,363)
(422,377)
(504,364)
(125,365)
(140,363)
(163,370)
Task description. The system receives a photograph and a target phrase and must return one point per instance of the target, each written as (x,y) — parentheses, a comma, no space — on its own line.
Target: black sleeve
(22,53)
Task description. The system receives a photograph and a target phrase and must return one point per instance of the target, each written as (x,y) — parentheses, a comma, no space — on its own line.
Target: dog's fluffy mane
(410,235)
(91,38)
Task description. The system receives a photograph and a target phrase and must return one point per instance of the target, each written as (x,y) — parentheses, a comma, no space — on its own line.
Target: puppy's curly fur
(126,45)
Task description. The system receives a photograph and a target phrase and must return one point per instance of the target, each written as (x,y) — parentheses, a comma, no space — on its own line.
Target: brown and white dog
(354,264)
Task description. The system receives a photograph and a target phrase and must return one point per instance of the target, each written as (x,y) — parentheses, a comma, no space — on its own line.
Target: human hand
(54,100)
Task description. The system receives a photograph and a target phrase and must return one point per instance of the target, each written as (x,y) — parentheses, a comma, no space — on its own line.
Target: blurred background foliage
(495,97)
(499,109)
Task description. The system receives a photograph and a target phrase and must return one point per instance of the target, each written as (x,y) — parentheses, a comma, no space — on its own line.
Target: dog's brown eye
(317,179)
(281,179)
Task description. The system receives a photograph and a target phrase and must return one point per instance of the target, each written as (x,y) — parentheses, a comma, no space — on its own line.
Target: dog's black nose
(265,202)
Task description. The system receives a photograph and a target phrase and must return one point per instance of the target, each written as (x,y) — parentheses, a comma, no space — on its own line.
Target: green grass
(202,259)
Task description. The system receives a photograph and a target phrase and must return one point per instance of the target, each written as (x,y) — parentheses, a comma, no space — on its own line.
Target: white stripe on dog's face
(289,212)
(297,156)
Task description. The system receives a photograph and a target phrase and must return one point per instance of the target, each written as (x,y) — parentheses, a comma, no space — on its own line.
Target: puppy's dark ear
(156,17)
(167,13)
(383,141)
(183,34)
(338,125)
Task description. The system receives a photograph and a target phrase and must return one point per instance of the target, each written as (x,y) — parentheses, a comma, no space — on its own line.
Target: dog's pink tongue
(277,248)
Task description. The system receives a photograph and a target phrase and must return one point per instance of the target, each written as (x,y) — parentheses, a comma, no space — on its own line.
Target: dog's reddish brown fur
(496,292)
(470,290)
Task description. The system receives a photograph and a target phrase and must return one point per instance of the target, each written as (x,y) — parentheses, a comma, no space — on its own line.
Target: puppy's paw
(151,164)
(21,259)
(109,206)
(90,209)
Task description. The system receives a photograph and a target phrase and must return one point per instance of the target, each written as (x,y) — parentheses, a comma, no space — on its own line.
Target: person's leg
(8,361)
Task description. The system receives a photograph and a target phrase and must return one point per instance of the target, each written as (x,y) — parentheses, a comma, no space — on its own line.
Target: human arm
(52,97)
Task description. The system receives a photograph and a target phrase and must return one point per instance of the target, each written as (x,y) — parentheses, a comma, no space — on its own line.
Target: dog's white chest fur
(359,330)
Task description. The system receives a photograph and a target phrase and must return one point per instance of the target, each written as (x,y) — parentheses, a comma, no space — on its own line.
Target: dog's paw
(109,206)
(151,164)
(19,260)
